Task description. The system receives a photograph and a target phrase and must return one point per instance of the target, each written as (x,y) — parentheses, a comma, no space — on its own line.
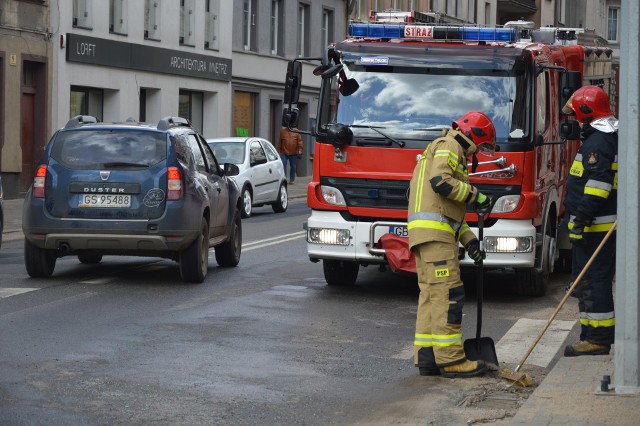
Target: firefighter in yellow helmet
(440,190)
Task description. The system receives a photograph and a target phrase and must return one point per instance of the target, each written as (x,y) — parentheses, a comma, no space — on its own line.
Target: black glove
(474,252)
(482,201)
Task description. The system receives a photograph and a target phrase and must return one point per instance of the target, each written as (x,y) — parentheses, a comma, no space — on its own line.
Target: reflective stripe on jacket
(592,186)
(439,190)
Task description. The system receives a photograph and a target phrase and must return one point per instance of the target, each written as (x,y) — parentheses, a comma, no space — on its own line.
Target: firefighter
(590,211)
(439,191)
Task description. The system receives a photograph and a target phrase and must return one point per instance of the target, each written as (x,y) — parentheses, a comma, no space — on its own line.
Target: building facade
(219,63)
(25,90)
(266,35)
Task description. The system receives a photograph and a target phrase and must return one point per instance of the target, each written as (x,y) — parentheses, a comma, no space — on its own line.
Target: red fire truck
(391,88)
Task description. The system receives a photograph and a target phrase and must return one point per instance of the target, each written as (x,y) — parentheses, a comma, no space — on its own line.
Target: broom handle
(568,293)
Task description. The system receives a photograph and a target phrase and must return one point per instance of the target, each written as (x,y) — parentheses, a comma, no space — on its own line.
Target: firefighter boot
(586,348)
(464,369)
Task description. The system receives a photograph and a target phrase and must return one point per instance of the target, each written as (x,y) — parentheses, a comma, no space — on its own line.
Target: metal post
(627,300)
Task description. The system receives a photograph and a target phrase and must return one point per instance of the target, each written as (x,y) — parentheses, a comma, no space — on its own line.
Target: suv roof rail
(79,120)
(169,122)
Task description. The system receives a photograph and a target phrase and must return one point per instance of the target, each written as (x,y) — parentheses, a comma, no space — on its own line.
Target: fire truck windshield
(416,106)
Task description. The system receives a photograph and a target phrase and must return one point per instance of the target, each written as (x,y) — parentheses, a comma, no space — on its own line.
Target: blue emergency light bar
(427,32)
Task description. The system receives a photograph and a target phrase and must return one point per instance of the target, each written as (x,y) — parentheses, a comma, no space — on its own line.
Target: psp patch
(592,159)
(443,272)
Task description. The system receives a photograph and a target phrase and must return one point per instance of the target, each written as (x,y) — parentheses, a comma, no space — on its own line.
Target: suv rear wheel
(228,253)
(194,260)
(40,263)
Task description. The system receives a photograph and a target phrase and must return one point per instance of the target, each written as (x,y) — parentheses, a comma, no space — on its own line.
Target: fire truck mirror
(330,72)
(569,129)
(570,81)
(339,134)
(290,117)
(292,82)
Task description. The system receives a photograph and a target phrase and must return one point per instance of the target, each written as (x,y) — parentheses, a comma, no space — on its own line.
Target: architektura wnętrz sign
(110,53)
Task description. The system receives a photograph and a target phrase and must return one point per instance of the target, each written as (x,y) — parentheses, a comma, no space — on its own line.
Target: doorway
(33,120)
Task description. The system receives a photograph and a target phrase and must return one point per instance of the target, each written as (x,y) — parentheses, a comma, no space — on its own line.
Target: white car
(261,178)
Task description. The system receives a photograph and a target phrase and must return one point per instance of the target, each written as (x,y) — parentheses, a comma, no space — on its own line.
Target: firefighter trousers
(595,290)
(438,338)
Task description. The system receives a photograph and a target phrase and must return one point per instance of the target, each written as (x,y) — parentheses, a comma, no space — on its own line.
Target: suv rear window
(96,149)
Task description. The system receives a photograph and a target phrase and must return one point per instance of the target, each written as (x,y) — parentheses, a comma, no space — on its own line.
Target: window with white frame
(152,19)
(303,29)
(613,24)
(118,16)
(187,22)
(249,11)
(326,29)
(212,15)
(82,13)
(277,10)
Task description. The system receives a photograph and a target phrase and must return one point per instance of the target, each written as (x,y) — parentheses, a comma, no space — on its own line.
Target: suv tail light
(39,180)
(174,183)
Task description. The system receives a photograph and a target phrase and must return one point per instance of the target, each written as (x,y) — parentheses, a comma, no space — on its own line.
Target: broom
(523,379)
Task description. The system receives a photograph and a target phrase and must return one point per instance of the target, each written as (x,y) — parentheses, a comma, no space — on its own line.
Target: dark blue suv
(132,189)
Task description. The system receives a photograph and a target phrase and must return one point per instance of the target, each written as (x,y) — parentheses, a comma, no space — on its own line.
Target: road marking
(274,240)
(8,292)
(515,343)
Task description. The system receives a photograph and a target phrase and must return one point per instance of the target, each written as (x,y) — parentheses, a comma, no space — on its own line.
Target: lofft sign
(97,51)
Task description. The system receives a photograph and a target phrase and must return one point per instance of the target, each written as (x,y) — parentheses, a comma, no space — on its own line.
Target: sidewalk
(569,395)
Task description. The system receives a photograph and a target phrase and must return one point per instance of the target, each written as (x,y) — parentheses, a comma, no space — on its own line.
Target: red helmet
(588,103)
(479,128)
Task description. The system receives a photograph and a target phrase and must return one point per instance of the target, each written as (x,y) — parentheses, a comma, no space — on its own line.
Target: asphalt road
(126,342)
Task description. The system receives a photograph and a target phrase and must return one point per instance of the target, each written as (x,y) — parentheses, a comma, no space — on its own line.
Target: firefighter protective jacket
(592,186)
(440,190)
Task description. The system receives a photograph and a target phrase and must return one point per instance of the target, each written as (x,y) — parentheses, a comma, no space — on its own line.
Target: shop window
(82,13)
(212,14)
(118,16)
(86,101)
(190,106)
(243,113)
(152,19)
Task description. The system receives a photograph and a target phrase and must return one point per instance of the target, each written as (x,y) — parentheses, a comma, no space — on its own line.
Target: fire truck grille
(373,193)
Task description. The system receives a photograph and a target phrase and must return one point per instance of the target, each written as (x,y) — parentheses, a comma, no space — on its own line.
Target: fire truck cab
(393,86)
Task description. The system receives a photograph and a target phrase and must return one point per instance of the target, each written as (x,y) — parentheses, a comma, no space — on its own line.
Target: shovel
(480,348)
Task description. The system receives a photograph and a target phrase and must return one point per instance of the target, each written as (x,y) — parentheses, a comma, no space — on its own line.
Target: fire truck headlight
(332,195)
(508,244)
(340,237)
(506,204)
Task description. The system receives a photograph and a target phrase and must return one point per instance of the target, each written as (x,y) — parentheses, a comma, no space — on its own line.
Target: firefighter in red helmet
(440,190)
(590,211)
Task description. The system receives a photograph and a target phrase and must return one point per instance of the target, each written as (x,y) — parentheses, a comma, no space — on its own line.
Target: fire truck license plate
(400,231)
(105,200)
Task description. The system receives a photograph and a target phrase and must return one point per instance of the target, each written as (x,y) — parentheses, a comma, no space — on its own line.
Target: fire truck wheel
(340,272)
(530,282)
